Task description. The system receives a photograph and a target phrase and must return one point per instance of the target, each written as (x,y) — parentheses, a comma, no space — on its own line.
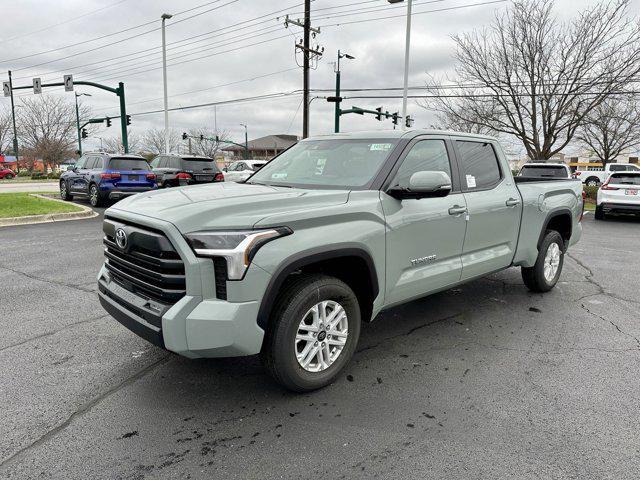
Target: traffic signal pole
(13,116)
(337,109)
(78,126)
(124,118)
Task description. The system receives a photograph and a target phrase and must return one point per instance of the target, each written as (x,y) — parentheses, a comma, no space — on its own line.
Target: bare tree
(114,144)
(535,78)
(461,119)
(47,127)
(207,147)
(153,140)
(6,132)
(611,128)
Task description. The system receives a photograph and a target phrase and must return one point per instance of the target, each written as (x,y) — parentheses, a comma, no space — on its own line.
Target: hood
(225,205)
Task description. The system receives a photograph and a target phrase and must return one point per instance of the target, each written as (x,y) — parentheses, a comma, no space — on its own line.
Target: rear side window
(553,171)
(479,164)
(257,166)
(128,164)
(625,179)
(424,156)
(617,168)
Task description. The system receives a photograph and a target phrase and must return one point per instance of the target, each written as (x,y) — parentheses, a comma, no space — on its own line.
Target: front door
(494,209)
(424,236)
(76,180)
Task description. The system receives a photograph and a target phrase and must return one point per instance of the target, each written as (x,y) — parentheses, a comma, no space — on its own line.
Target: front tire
(544,275)
(314,330)
(64,191)
(9,176)
(599,213)
(94,196)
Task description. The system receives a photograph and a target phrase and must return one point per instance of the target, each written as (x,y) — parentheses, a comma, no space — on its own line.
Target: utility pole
(78,120)
(246,142)
(308,53)
(165,17)
(13,115)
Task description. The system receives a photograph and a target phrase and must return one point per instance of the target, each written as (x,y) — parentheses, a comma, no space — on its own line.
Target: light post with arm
(337,107)
(78,121)
(246,142)
(406,61)
(165,17)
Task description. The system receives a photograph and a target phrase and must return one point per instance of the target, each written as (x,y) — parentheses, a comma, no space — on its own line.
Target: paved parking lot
(483,381)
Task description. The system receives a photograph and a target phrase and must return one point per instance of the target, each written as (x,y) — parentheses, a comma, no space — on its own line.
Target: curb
(49,217)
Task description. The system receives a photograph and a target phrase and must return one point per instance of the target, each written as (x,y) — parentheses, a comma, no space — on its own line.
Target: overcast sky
(203,65)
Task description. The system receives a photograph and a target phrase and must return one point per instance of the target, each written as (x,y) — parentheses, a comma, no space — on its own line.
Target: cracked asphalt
(483,381)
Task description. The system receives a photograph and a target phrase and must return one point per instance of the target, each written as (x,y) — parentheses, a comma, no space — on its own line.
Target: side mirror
(225,169)
(423,184)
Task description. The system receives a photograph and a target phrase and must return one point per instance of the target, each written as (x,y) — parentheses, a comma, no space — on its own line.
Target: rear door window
(128,164)
(479,165)
(617,168)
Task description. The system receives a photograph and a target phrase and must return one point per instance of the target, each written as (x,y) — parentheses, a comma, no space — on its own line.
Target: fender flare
(308,257)
(554,214)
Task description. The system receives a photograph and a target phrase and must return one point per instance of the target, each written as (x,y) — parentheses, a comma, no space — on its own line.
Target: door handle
(457,210)
(512,202)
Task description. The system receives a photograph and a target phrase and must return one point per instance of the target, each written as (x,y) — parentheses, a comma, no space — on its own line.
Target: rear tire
(544,275)
(297,325)
(9,176)
(64,191)
(599,213)
(94,196)
(592,182)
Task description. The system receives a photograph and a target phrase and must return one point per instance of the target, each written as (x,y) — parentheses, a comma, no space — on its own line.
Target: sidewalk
(28,187)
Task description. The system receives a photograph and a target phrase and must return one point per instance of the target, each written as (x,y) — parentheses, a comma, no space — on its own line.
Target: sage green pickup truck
(331,232)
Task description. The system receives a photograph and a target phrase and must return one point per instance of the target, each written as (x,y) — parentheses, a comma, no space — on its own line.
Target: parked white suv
(593,178)
(241,170)
(619,194)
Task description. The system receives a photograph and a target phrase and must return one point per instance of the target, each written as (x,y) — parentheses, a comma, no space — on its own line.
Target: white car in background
(593,178)
(241,170)
(619,194)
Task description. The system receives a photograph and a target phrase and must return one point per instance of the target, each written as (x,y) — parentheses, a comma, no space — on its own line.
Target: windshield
(128,164)
(554,171)
(199,164)
(625,179)
(338,163)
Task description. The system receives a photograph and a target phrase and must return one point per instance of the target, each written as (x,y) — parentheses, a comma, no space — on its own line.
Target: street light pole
(406,61)
(13,115)
(246,142)
(337,106)
(165,16)
(78,121)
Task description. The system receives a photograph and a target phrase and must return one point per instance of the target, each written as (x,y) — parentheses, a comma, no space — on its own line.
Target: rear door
(424,236)
(494,208)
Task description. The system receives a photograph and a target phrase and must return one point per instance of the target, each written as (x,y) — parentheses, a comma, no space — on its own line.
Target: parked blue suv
(102,177)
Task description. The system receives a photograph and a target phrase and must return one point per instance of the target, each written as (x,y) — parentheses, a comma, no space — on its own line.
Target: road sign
(68,83)
(6,86)
(37,85)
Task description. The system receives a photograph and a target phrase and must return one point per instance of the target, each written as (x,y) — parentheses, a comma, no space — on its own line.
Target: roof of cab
(398,134)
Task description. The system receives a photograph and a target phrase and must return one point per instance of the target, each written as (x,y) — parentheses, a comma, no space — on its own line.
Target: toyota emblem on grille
(121,238)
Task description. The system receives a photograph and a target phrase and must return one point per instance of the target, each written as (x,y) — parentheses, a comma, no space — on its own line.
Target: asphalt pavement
(482,381)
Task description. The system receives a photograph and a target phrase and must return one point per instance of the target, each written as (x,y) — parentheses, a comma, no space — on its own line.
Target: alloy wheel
(322,336)
(552,262)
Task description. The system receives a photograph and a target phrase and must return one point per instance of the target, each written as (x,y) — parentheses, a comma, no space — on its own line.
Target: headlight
(238,247)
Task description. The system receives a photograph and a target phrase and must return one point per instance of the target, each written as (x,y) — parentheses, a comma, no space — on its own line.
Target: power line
(106,36)
(63,22)
(211,32)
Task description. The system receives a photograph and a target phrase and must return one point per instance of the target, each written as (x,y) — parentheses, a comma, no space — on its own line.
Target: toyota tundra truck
(290,263)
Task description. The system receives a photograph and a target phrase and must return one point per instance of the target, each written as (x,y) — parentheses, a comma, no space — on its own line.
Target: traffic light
(85,134)
(201,137)
(396,118)
(379,114)
(185,136)
(108,121)
(128,119)
(408,121)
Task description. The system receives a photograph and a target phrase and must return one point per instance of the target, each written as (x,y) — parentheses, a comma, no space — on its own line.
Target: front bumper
(198,325)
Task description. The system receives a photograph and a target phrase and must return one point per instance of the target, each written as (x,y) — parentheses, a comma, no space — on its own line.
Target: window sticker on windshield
(471,181)
(380,147)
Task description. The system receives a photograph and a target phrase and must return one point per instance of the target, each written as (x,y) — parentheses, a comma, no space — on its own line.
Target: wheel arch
(344,262)
(560,221)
